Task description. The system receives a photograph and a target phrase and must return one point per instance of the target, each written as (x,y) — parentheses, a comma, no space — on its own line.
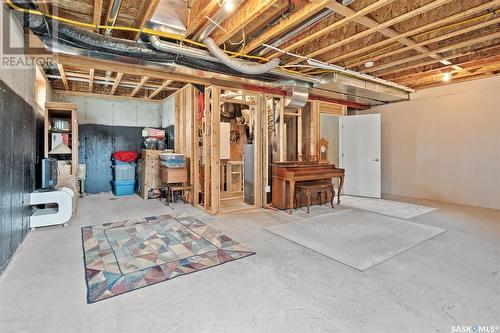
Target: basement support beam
(118,78)
(161,88)
(139,86)
(63,76)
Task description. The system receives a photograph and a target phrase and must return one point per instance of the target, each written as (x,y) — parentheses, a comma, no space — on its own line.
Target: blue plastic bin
(124,171)
(123,187)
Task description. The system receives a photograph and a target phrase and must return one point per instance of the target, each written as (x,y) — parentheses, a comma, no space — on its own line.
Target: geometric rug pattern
(124,256)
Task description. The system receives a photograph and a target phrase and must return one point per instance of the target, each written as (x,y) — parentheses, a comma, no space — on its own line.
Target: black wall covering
(97,144)
(18,159)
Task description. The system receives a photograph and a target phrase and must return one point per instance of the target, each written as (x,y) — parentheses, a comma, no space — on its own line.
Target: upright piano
(286,175)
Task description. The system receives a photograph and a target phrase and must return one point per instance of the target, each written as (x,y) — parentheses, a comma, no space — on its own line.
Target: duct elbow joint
(241,66)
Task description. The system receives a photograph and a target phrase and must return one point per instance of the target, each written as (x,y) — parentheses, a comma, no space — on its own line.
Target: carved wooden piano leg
(333,196)
(292,196)
(308,200)
(341,185)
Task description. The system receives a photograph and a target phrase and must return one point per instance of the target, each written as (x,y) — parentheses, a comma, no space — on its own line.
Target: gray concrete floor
(452,279)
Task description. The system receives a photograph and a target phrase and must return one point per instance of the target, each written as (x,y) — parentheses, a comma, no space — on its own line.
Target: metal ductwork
(296,97)
(343,85)
(245,67)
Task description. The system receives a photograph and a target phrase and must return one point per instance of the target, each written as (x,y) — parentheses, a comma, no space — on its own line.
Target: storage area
(250,166)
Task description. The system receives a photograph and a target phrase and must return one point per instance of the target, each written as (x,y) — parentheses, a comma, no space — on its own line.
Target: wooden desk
(286,175)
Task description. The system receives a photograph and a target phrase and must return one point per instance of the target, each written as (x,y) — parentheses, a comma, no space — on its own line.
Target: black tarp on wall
(18,160)
(97,144)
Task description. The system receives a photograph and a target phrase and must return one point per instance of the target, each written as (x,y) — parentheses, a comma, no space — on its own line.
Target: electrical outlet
(268,189)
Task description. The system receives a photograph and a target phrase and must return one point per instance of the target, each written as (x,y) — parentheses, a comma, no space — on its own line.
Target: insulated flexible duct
(240,65)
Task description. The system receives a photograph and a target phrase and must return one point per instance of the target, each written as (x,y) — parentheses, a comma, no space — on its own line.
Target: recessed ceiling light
(369,64)
(229,5)
(446,77)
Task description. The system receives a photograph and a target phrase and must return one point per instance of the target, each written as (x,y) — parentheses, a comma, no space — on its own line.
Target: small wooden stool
(320,188)
(180,188)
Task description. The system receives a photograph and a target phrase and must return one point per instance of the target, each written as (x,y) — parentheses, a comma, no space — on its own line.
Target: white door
(361,154)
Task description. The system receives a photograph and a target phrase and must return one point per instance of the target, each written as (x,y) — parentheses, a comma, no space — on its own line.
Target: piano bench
(316,188)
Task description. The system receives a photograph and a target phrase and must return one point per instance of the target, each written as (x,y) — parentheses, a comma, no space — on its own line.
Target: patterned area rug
(124,256)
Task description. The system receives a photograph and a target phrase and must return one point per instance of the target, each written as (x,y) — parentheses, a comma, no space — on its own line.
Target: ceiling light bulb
(229,5)
(369,64)
(446,77)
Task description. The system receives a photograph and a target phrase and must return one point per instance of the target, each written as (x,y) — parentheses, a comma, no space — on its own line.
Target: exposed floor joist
(429,53)
(63,76)
(353,16)
(422,29)
(139,86)
(248,12)
(286,24)
(146,13)
(118,78)
(161,88)
(374,26)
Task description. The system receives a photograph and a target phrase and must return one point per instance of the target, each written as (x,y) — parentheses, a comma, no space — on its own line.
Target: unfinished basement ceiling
(412,43)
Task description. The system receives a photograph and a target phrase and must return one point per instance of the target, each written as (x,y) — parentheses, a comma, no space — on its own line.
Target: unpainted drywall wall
(444,144)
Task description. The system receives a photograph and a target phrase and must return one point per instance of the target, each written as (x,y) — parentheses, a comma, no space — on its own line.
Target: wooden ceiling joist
(161,88)
(426,42)
(118,78)
(286,24)
(43,6)
(139,86)
(422,29)
(247,12)
(97,13)
(91,80)
(438,72)
(348,18)
(396,74)
(146,13)
(374,26)
(429,53)
(63,76)
(198,11)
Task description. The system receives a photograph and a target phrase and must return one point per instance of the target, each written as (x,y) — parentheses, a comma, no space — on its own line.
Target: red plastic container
(125,156)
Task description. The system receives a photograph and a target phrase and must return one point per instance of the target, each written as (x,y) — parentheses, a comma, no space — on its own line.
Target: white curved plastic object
(63,198)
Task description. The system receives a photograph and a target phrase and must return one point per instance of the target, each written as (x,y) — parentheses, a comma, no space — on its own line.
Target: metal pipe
(112,16)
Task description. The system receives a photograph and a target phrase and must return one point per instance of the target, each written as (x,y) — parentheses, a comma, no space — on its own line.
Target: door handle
(376,160)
